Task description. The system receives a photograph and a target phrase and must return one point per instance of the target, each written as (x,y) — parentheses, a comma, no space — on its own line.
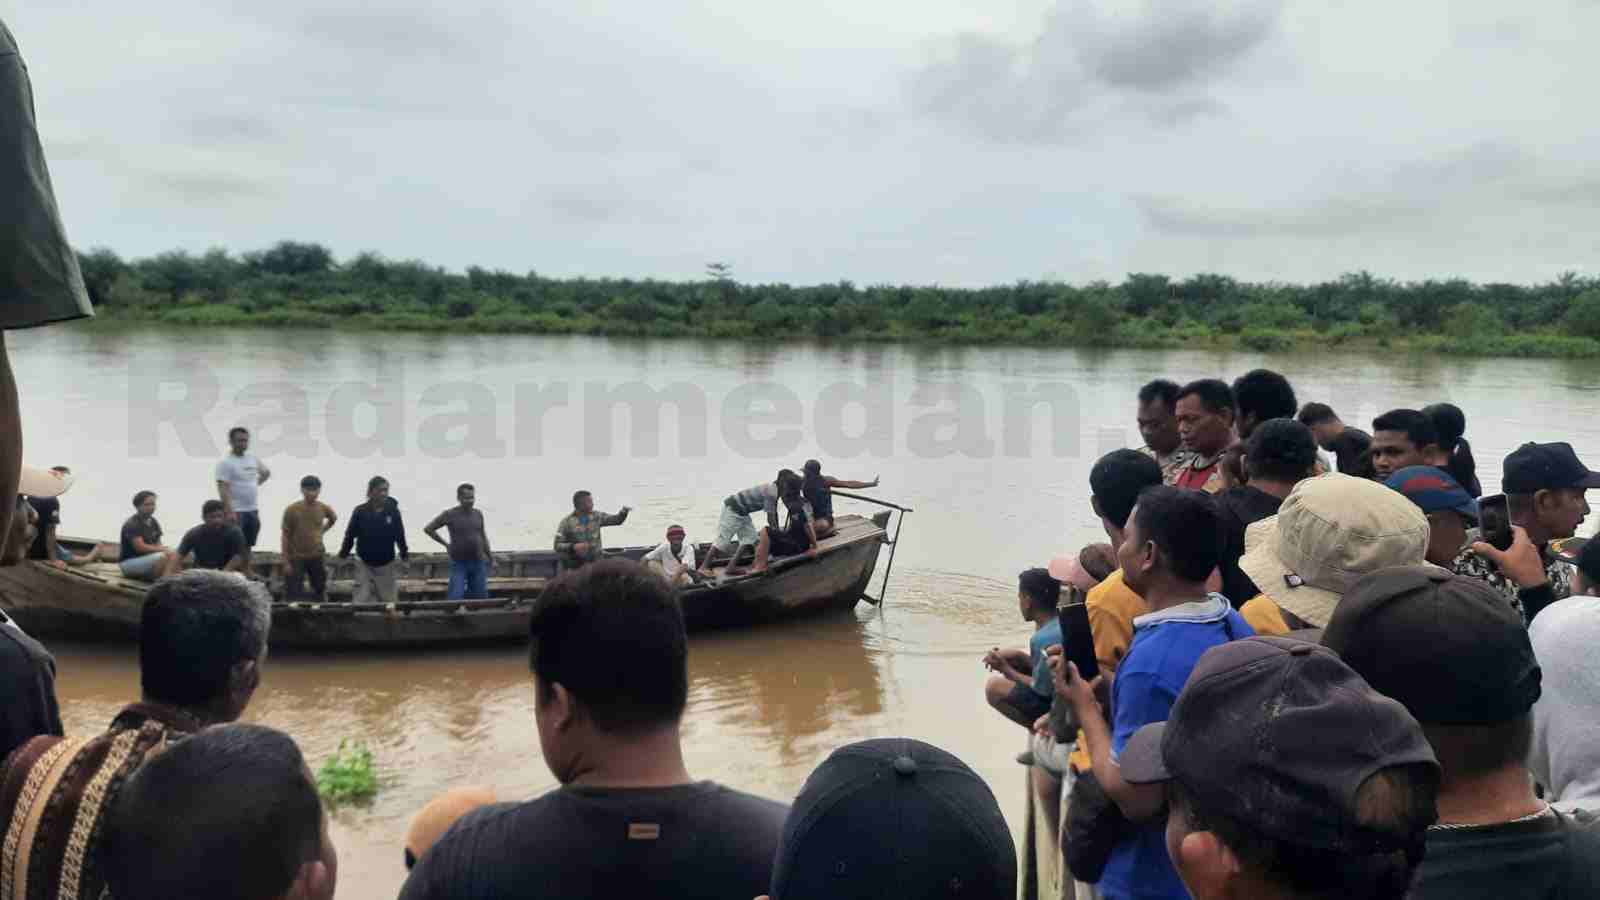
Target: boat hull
(75,604)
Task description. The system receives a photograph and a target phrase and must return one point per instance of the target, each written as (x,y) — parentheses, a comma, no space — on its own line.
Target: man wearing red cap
(673,558)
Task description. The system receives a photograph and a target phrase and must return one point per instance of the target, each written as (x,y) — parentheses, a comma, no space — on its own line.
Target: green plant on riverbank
(302,285)
(348,775)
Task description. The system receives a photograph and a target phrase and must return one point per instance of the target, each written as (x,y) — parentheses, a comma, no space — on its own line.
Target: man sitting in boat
(43,488)
(818,490)
(213,544)
(798,535)
(578,536)
(673,558)
(142,555)
(735,530)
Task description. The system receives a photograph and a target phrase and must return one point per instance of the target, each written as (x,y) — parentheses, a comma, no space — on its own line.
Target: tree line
(295,284)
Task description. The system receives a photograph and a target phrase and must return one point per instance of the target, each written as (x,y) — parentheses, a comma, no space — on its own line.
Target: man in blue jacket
(375,530)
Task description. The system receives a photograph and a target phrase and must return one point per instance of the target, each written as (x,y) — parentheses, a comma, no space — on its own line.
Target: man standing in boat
(818,490)
(578,536)
(304,523)
(374,530)
(470,555)
(239,476)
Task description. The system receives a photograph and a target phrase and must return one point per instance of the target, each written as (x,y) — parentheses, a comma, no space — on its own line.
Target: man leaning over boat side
(202,643)
(735,529)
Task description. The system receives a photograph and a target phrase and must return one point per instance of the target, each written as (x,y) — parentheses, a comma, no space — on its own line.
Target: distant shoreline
(297,285)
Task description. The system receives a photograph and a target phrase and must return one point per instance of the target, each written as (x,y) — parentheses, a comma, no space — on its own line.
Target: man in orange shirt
(304,523)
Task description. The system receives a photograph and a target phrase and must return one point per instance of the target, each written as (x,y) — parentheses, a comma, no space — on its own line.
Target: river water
(991,447)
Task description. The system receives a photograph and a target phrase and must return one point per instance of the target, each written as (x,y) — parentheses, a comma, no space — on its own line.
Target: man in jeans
(374,530)
(470,555)
(1169,551)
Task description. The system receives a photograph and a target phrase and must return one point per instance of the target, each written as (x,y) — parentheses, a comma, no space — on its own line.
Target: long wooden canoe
(94,601)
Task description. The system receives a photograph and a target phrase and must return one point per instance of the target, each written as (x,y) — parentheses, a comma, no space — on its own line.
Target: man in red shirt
(1205,422)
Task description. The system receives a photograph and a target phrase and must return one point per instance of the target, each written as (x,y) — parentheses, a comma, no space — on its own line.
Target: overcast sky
(921,141)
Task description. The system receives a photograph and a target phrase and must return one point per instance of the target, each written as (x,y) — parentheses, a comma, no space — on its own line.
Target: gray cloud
(1086,63)
(208,128)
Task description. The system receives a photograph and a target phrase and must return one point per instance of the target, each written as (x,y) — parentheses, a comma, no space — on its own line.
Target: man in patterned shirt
(578,535)
(1544,486)
(1158,425)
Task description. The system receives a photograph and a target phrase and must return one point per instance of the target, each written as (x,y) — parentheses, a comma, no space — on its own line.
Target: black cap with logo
(1280,734)
(1545,467)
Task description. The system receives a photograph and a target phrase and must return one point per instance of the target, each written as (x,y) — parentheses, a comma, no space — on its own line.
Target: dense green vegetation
(297,284)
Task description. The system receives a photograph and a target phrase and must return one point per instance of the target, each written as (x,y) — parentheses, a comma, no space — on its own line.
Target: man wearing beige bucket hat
(1330,531)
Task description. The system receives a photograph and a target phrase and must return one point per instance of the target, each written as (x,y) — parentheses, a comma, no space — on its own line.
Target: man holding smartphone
(1545,487)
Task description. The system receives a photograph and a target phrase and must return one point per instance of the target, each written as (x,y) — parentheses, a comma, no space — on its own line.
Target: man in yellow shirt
(1330,531)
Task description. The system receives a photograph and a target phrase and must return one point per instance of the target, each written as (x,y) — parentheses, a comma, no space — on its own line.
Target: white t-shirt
(670,563)
(242,475)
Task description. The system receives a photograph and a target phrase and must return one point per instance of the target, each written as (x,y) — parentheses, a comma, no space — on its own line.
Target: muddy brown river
(991,447)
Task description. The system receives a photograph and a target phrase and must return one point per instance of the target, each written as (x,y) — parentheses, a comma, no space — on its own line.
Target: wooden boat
(94,601)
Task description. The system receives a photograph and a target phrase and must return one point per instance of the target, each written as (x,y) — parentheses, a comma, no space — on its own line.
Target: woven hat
(43,482)
(1330,531)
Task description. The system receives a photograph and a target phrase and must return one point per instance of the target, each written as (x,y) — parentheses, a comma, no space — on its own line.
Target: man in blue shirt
(1021,687)
(1170,548)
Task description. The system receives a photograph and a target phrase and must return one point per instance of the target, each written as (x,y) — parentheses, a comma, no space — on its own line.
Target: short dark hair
(1116,480)
(375,482)
(1214,394)
(1160,389)
(226,813)
(1038,586)
(311,481)
(1475,750)
(192,631)
(789,482)
(1184,527)
(238,429)
(62,469)
(1315,413)
(588,619)
(1396,804)
(1418,428)
(1281,450)
(1449,421)
(579,495)
(464,486)
(211,506)
(1265,393)
(812,465)
(139,498)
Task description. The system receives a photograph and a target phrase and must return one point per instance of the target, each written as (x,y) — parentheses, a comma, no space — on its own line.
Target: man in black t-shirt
(1279,455)
(610,671)
(1350,446)
(1459,658)
(214,544)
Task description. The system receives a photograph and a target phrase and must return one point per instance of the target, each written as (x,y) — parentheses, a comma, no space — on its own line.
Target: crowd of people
(1316,680)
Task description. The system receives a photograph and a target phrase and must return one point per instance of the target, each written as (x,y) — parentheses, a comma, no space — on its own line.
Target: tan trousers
(376,584)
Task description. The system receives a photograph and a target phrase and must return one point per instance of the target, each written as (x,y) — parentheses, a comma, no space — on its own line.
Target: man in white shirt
(674,558)
(239,475)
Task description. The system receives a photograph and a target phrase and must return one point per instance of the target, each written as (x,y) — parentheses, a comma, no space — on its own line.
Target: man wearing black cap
(1544,486)
(1169,551)
(1457,656)
(894,817)
(1288,776)
(1279,454)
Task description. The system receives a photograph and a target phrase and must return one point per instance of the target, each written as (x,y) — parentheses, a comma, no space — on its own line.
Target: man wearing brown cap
(1329,531)
(1545,486)
(1288,776)
(673,558)
(1457,656)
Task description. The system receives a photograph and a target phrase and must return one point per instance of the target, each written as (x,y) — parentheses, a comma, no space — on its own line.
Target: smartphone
(1077,643)
(1494,521)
